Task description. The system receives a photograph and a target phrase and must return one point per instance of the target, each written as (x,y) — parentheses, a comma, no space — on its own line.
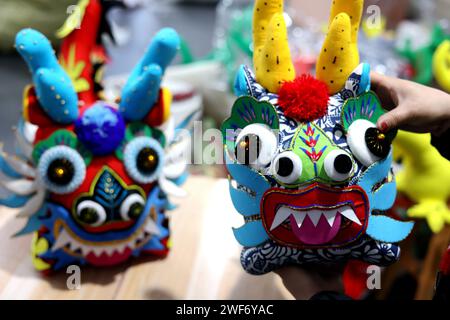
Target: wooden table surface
(203,262)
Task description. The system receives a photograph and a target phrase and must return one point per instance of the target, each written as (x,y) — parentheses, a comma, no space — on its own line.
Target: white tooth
(109,250)
(152,228)
(121,248)
(299,218)
(84,250)
(350,215)
(97,251)
(282,214)
(330,216)
(315,215)
(62,240)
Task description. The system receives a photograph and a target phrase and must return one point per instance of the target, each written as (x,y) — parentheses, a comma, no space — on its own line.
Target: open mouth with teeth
(317,216)
(103,253)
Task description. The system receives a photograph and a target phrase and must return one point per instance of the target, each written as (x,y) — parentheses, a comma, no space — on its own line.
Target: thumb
(393,119)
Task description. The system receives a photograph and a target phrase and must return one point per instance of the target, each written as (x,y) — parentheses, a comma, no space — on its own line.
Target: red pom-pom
(305,99)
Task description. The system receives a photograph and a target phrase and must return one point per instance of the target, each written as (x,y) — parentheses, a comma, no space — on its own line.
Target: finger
(394,119)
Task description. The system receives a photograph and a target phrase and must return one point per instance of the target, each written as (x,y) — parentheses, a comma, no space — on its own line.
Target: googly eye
(62,169)
(91,213)
(256,145)
(287,167)
(132,207)
(143,158)
(367,143)
(339,166)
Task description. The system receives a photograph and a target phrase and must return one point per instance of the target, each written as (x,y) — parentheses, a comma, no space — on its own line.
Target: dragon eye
(339,165)
(255,146)
(62,169)
(91,213)
(143,159)
(132,207)
(287,167)
(367,143)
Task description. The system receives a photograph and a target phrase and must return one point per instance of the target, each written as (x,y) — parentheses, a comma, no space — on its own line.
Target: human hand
(413,107)
(303,282)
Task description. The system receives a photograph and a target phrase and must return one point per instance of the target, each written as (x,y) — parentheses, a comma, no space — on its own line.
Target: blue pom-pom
(101,129)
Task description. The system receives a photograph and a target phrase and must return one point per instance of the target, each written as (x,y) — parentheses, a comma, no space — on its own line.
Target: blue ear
(54,88)
(358,82)
(241,87)
(245,84)
(142,88)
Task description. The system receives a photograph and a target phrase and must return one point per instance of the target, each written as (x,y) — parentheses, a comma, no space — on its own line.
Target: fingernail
(383,126)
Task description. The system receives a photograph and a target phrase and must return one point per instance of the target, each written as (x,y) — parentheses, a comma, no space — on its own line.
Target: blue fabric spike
(385,229)
(245,203)
(373,175)
(142,88)
(33,223)
(251,234)
(6,168)
(240,83)
(364,85)
(14,201)
(54,88)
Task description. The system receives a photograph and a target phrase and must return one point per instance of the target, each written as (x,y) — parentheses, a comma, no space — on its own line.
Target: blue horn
(141,91)
(53,85)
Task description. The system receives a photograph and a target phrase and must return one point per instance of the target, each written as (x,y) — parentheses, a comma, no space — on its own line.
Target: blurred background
(216,40)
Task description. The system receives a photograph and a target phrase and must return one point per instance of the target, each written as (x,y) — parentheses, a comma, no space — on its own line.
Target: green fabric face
(137,129)
(61,137)
(366,106)
(312,146)
(246,111)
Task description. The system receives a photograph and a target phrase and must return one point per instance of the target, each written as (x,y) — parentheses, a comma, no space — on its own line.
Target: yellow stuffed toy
(424,178)
(272,56)
(441,65)
(340,55)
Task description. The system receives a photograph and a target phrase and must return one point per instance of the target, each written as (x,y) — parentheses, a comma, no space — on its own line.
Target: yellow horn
(340,55)
(272,57)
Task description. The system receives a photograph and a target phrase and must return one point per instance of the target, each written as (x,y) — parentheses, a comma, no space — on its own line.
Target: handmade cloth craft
(93,178)
(432,60)
(424,178)
(309,171)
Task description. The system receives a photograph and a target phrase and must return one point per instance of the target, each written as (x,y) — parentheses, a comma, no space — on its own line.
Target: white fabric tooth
(315,215)
(330,216)
(171,188)
(62,240)
(97,251)
(109,250)
(350,215)
(22,187)
(33,205)
(299,218)
(282,214)
(84,249)
(152,228)
(121,248)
